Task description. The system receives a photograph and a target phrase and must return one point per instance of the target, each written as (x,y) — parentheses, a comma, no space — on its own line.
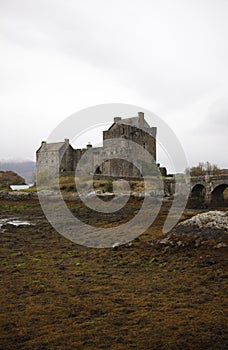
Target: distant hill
(25,169)
(8,178)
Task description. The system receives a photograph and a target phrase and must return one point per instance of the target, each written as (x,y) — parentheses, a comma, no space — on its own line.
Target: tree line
(203,168)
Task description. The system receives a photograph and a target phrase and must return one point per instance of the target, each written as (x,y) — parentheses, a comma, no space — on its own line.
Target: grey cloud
(218,113)
(168,52)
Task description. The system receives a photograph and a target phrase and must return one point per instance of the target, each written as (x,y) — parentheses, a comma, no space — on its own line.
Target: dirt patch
(59,295)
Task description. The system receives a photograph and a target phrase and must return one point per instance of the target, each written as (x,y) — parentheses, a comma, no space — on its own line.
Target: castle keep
(62,157)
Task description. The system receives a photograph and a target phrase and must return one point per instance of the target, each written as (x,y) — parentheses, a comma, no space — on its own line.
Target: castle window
(98,170)
(144,145)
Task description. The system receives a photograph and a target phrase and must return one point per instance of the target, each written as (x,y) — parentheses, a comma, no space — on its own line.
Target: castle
(61,157)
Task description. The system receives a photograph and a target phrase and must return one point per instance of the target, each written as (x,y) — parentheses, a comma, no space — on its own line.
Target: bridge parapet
(217,177)
(209,177)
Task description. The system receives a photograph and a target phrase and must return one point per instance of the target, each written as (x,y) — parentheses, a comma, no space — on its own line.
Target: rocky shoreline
(204,229)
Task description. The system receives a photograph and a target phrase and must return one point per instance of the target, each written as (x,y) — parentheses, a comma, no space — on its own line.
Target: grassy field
(59,295)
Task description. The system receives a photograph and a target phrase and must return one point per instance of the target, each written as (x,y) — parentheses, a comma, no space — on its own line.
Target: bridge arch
(197,196)
(198,191)
(218,197)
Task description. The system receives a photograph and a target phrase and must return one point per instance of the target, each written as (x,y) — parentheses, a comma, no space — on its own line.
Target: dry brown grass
(58,295)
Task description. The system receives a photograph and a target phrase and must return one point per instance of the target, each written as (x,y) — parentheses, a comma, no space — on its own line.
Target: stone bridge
(209,189)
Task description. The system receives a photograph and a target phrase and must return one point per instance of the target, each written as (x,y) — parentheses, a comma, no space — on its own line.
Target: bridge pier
(208,188)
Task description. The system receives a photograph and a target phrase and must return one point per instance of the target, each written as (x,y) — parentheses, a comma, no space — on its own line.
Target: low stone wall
(18,195)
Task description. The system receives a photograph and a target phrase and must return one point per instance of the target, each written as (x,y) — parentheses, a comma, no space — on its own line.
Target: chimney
(43,143)
(141,120)
(89,145)
(67,141)
(117,119)
(141,115)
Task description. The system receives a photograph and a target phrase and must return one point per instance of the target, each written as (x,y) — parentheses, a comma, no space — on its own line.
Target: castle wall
(67,161)
(46,161)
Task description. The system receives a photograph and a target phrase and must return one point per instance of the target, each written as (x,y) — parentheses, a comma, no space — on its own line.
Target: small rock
(116,245)
(198,242)
(220,245)
(166,249)
(164,241)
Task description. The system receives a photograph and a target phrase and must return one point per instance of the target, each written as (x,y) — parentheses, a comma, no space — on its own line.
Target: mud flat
(154,293)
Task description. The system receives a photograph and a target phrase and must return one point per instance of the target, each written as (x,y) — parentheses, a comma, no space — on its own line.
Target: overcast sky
(170,57)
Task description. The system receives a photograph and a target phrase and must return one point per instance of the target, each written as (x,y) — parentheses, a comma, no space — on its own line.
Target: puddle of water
(14,222)
(18,223)
(20,187)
